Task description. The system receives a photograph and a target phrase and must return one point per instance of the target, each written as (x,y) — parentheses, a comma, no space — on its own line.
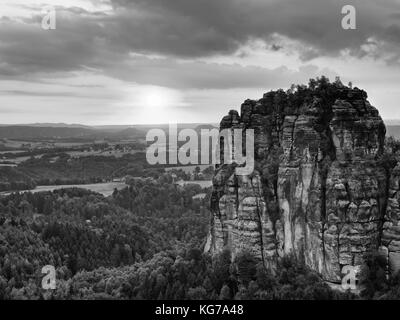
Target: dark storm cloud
(192,29)
(26,48)
(205,27)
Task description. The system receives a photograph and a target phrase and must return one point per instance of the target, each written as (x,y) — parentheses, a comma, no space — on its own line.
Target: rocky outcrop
(391,224)
(320,188)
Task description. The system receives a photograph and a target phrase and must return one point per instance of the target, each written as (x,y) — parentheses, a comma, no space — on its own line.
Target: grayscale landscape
(199,150)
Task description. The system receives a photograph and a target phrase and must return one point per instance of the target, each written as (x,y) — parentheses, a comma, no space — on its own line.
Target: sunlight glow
(153,104)
(156,99)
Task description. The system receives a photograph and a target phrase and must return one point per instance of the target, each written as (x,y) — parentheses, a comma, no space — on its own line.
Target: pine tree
(225,293)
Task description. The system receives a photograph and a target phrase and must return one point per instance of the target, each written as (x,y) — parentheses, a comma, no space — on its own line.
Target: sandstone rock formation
(322,188)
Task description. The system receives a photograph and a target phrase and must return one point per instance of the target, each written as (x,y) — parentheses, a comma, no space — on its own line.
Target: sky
(191,61)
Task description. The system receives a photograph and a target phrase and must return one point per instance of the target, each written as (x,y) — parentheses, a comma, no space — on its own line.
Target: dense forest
(62,169)
(143,242)
(77,230)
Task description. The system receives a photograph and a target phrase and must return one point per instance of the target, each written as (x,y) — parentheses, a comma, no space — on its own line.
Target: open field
(201,183)
(105,189)
(113,153)
(188,169)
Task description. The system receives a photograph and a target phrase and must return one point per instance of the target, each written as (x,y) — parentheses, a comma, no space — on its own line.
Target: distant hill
(60,131)
(145,127)
(59,125)
(392,122)
(32,133)
(205,127)
(393,131)
(48,125)
(128,133)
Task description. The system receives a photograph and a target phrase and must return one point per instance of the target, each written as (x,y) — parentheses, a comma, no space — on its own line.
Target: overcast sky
(153,61)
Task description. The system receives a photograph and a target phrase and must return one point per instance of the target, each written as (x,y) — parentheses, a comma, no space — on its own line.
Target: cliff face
(320,189)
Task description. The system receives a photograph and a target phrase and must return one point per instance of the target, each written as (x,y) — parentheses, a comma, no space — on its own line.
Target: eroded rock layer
(319,190)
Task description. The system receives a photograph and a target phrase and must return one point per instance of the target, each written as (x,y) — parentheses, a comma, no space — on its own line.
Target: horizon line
(100,125)
(132,124)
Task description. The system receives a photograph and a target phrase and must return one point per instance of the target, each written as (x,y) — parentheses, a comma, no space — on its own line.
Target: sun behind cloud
(154,104)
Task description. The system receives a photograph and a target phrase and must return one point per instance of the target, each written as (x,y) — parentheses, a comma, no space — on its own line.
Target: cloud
(214,52)
(103,44)
(185,75)
(199,28)
(190,29)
